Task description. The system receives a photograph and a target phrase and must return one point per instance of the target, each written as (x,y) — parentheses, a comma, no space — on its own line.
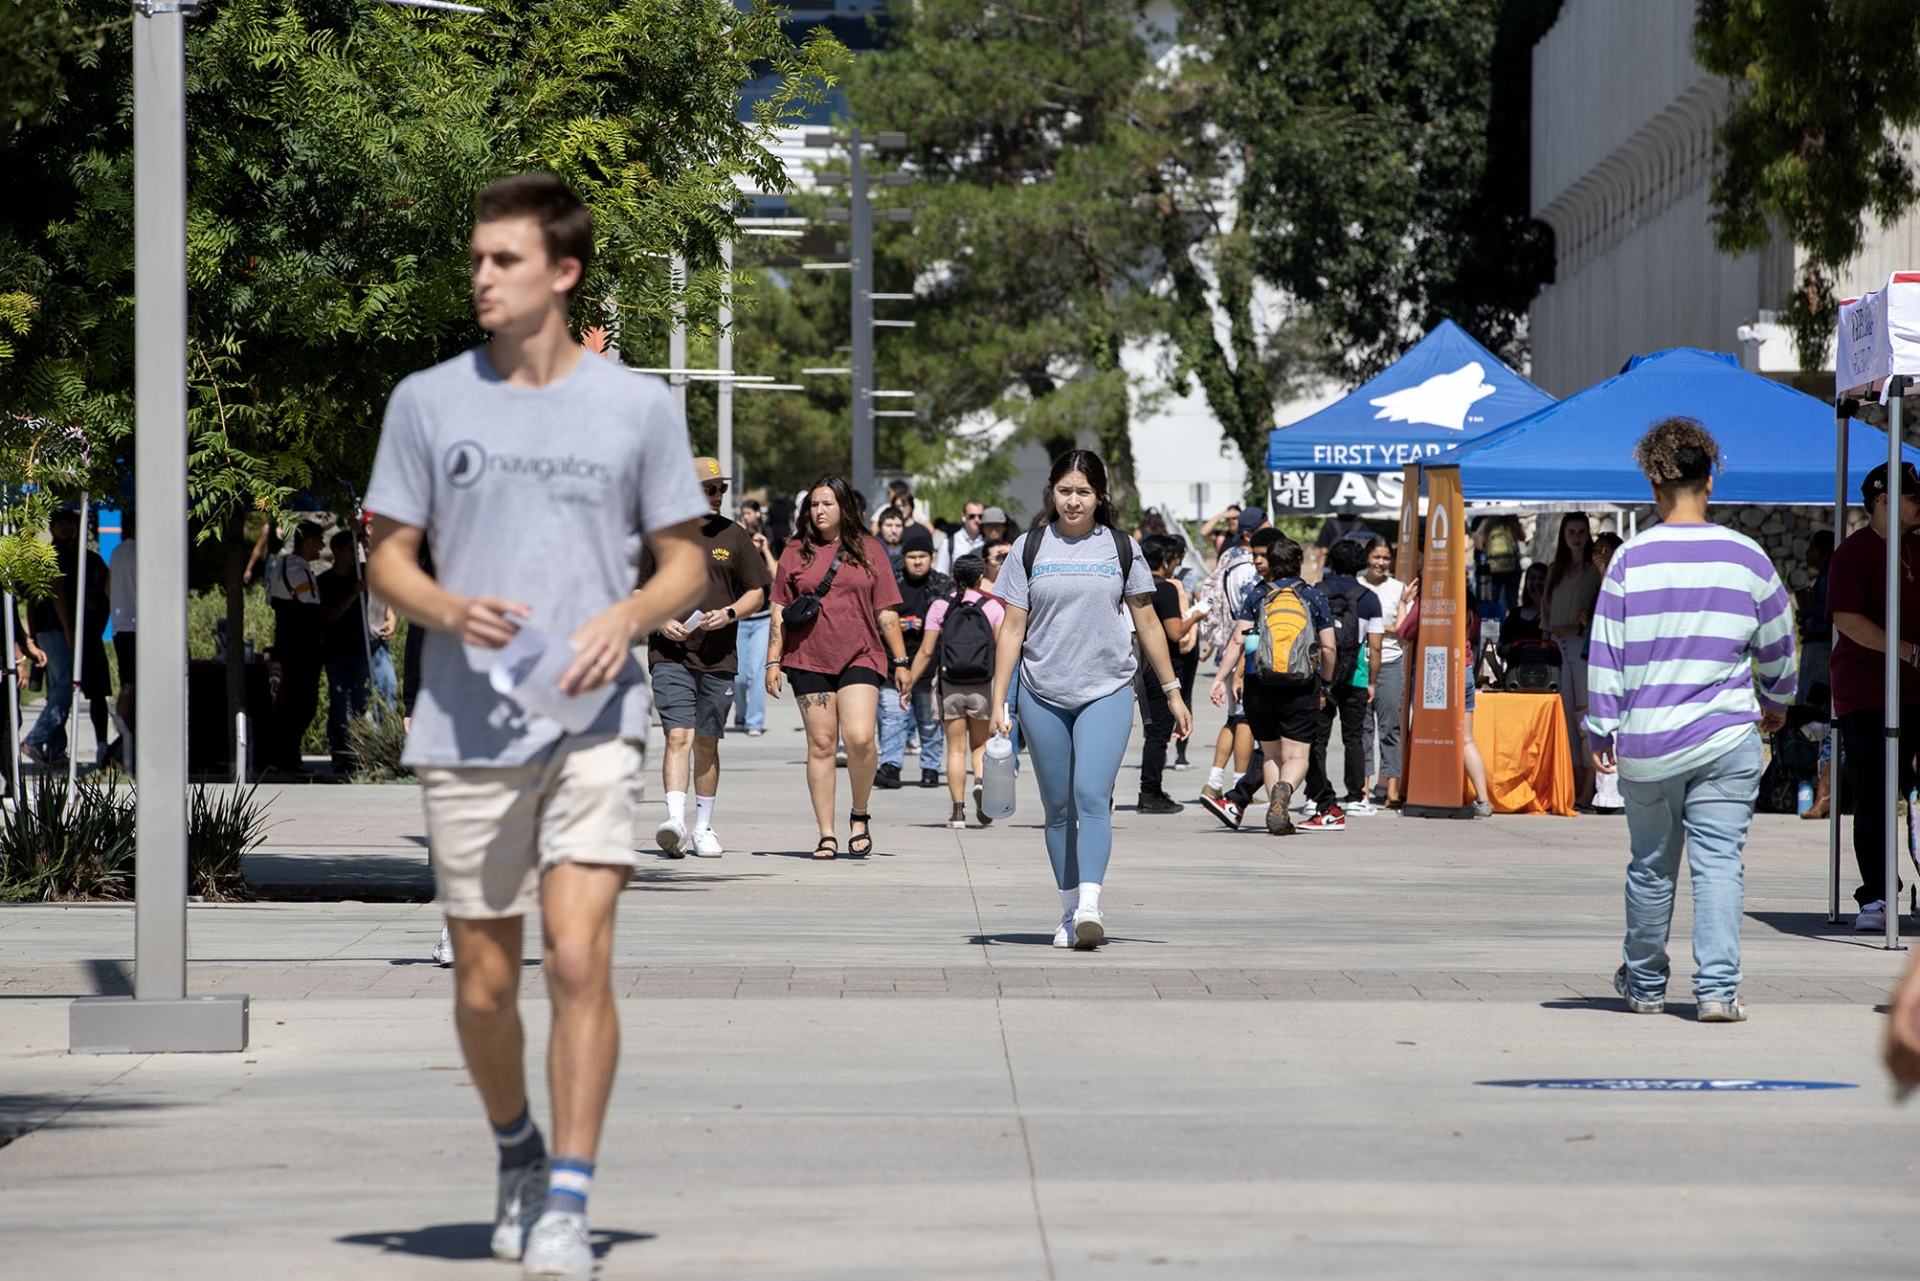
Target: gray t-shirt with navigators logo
(538,495)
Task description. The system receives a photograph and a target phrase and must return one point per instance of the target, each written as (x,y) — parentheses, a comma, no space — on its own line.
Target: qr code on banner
(1433,686)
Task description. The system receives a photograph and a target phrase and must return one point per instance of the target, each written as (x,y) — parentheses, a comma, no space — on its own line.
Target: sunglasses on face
(716,489)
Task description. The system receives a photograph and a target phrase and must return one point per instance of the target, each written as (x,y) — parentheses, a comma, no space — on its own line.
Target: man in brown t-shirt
(692,663)
(1857,602)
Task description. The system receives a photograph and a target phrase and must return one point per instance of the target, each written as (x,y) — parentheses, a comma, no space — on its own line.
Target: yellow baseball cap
(708,469)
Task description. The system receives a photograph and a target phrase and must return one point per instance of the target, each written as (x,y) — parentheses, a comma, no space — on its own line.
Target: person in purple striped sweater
(1691,618)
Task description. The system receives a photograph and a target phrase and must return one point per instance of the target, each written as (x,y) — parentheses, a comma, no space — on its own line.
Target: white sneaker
(1871,917)
(1361,806)
(705,843)
(558,1248)
(1088,929)
(671,836)
(1063,937)
(443,950)
(521,1196)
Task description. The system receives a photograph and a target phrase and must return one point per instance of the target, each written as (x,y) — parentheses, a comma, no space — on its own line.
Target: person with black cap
(920,586)
(1857,600)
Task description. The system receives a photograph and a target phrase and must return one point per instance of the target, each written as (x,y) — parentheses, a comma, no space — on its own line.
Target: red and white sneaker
(1330,819)
(1223,809)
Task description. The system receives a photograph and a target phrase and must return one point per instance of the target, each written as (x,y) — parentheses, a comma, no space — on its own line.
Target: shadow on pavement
(460,1241)
(22,1114)
(1023,940)
(1614,1005)
(1814,925)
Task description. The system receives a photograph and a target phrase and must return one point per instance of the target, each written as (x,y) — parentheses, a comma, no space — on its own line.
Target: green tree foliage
(334,149)
(1385,158)
(1827,94)
(1030,241)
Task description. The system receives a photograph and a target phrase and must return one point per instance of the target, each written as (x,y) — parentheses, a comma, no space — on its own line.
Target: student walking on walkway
(580,459)
(1573,584)
(1690,619)
(1068,586)
(693,669)
(836,635)
(962,638)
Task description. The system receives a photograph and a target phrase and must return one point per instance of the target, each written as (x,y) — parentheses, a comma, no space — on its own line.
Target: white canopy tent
(1879,358)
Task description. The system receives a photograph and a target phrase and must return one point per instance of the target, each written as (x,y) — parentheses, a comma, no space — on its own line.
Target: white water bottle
(996,797)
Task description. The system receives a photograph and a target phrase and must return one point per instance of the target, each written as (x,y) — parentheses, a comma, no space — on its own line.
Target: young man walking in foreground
(531,433)
(1689,615)
(693,669)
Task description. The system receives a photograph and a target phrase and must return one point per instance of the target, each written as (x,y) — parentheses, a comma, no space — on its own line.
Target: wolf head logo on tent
(1440,401)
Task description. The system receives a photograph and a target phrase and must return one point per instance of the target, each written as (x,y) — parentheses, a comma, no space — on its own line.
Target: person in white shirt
(1382,722)
(964,541)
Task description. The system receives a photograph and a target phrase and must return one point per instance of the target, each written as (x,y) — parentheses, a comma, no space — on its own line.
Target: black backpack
(966,643)
(1347,632)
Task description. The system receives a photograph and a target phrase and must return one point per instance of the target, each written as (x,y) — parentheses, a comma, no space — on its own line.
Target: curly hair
(1677,451)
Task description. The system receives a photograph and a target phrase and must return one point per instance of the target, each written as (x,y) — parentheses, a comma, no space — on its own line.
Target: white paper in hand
(528,670)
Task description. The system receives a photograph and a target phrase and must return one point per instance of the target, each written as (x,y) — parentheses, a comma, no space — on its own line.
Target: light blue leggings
(1076,757)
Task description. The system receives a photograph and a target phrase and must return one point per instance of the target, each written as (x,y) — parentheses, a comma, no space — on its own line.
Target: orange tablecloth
(1523,739)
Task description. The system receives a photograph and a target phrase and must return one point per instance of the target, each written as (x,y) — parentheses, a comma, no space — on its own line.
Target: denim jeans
(1705,813)
(49,732)
(923,716)
(385,684)
(346,697)
(750,686)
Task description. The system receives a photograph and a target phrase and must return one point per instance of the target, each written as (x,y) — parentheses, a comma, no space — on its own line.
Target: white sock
(677,807)
(1069,900)
(1217,778)
(702,812)
(1090,895)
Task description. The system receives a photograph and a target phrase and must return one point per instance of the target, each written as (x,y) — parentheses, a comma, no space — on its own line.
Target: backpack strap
(1030,550)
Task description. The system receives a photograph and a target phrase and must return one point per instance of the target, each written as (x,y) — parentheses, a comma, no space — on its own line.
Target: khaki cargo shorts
(492,831)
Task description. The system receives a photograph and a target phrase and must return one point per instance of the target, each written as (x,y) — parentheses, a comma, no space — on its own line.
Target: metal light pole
(677,338)
(723,411)
(160,1016)
(1843,409)
(860,255)
(1896,543)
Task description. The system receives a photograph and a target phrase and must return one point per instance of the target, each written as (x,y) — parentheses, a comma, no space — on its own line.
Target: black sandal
(829,847)
(854,847)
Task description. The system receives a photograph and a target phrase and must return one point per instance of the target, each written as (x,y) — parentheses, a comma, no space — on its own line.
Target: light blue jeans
(1704,813)
(923,716)
(1076,758)
(750,685)
(385,683)
(49,732)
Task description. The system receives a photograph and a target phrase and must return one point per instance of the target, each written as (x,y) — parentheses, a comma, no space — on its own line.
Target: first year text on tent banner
(1438,776)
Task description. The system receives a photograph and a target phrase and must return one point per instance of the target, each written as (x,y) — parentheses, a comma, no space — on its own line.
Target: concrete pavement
(879,1069)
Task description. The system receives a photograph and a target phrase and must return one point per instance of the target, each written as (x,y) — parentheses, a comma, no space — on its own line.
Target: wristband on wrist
(773,662)
(1167,687)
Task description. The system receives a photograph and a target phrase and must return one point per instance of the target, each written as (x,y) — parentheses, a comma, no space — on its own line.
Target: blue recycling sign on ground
(1674,1083)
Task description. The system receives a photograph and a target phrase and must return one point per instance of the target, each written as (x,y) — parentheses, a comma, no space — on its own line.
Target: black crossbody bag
(806,606)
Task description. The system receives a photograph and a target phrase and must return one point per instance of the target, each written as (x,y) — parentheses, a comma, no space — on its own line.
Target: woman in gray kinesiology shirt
(1066,631)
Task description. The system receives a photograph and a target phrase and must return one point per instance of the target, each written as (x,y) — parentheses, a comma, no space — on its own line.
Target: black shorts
(831,682)
(123,651)
(1282,713)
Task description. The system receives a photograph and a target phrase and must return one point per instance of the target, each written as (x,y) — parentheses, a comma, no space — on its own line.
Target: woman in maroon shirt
(839,660)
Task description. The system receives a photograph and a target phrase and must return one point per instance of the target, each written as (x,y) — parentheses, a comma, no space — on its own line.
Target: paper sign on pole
(1436,688)
(1879,336)
(1406,552)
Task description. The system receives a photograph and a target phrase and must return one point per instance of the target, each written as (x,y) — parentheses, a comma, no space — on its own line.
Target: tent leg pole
(1842,412)
(1896,540)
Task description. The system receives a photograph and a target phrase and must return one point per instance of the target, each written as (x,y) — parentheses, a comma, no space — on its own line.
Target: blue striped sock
(519,1141)
(568,1182)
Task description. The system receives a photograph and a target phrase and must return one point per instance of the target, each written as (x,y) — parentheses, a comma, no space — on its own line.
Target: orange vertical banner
(1406,553)
(1436,687)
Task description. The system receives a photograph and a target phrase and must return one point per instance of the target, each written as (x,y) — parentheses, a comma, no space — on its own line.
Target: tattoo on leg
(814,700)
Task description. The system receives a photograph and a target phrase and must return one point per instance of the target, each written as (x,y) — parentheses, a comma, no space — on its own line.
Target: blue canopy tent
(1777,444)
(1446,391)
